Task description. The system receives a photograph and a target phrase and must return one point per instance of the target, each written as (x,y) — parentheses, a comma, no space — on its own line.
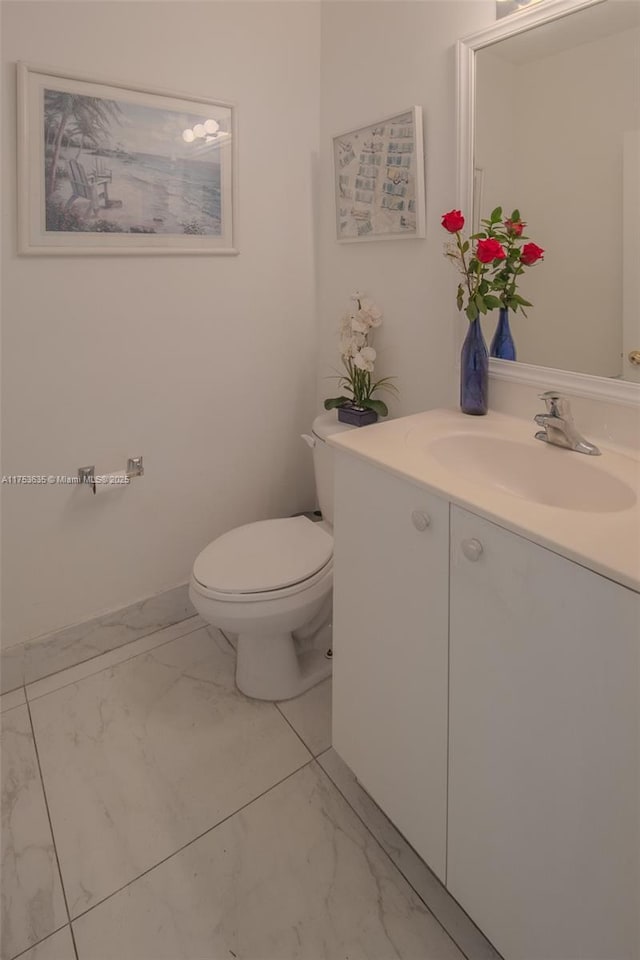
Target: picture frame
(379,180)
(111,168)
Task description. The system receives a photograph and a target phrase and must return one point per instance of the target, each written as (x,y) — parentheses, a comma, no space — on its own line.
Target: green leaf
(479,302)
(385,384)
(515,215)
(496,215)
(492,303)
(379,406)
(460,296)
(512,305)
(336,402)
(472,311)
(465,246)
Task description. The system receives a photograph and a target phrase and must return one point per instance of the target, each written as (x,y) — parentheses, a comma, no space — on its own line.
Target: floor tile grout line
(390,858)
(100,669)
(26,950)
(102,653)
(298,735)
(189,843)
(225,636)
(461,908)
(122,646)
(498,956)
(23,688)
(276,704)
(25,684)
(53,836)
(6,693)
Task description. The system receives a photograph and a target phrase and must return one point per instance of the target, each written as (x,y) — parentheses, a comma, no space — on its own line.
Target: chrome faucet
(558,426)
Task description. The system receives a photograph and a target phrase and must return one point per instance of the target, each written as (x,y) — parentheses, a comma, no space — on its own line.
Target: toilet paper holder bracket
(135,468)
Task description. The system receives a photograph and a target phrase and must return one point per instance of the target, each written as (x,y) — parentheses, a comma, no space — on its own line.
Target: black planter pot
(356,416)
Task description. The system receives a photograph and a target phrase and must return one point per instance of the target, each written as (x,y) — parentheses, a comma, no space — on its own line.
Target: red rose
(489,250)
(453,221)
(515,227)
(531,252)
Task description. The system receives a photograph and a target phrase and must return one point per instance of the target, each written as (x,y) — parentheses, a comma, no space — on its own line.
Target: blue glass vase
(474,372)
(502,345)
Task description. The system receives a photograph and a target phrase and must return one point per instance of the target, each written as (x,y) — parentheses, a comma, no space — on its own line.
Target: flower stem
(464,263)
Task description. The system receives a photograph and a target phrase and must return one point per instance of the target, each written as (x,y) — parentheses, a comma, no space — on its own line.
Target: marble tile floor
(31,660)
(152,812)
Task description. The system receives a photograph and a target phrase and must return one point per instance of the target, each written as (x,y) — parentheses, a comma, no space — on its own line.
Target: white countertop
(607,542)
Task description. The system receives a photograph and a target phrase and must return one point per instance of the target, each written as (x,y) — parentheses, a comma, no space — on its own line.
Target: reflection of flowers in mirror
(206,131)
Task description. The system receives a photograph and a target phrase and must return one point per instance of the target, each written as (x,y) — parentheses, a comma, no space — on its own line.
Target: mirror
(550,125)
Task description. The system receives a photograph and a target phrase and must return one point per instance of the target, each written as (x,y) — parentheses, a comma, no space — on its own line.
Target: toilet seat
(322,577)
(269,558)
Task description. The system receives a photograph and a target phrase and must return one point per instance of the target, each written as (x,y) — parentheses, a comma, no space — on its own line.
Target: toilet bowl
(269,584)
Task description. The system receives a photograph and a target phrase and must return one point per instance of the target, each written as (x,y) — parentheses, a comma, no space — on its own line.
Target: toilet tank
(323,426)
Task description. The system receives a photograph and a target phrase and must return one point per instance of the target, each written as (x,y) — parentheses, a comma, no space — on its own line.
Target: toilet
(269,584)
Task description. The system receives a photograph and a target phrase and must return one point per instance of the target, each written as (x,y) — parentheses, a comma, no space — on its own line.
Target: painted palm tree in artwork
(90,117)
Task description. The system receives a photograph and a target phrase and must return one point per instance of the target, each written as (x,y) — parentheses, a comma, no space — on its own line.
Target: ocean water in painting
(117,167)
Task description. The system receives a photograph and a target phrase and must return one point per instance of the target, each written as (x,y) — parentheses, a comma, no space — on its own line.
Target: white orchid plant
(358,358)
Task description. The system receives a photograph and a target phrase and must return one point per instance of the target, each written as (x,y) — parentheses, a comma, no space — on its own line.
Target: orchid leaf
(379,406)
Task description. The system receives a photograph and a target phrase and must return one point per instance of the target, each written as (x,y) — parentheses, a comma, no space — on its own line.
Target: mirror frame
(578,384)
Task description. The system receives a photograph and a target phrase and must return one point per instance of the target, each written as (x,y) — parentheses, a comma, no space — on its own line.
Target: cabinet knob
(472,549)
(420,519)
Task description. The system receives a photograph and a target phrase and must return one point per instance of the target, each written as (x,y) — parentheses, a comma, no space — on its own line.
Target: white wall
(379,58)
(205,366)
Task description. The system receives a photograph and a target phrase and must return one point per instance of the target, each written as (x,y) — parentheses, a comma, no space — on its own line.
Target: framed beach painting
(379,179)
(105,168)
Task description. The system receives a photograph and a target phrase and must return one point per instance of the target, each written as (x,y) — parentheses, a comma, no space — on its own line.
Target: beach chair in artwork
(100,169)
(91,188)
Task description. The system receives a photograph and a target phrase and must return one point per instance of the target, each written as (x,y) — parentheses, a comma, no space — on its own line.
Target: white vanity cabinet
(390,617)
(487,695)
(544,806)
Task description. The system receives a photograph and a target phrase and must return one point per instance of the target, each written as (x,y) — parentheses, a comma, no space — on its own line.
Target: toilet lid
(262,556)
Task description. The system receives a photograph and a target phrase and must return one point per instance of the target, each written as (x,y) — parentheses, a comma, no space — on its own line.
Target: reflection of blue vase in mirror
(502,345)
(474,372)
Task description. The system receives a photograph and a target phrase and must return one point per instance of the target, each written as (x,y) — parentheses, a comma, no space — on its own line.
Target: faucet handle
(557,404)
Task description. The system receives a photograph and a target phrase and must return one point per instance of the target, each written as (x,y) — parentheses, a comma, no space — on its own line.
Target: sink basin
(537,472)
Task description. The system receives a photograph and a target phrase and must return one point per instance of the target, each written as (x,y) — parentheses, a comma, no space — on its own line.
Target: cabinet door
(390,647)
(543,766)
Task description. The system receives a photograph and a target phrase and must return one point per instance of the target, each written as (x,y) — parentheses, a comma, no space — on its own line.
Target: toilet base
(270,667)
